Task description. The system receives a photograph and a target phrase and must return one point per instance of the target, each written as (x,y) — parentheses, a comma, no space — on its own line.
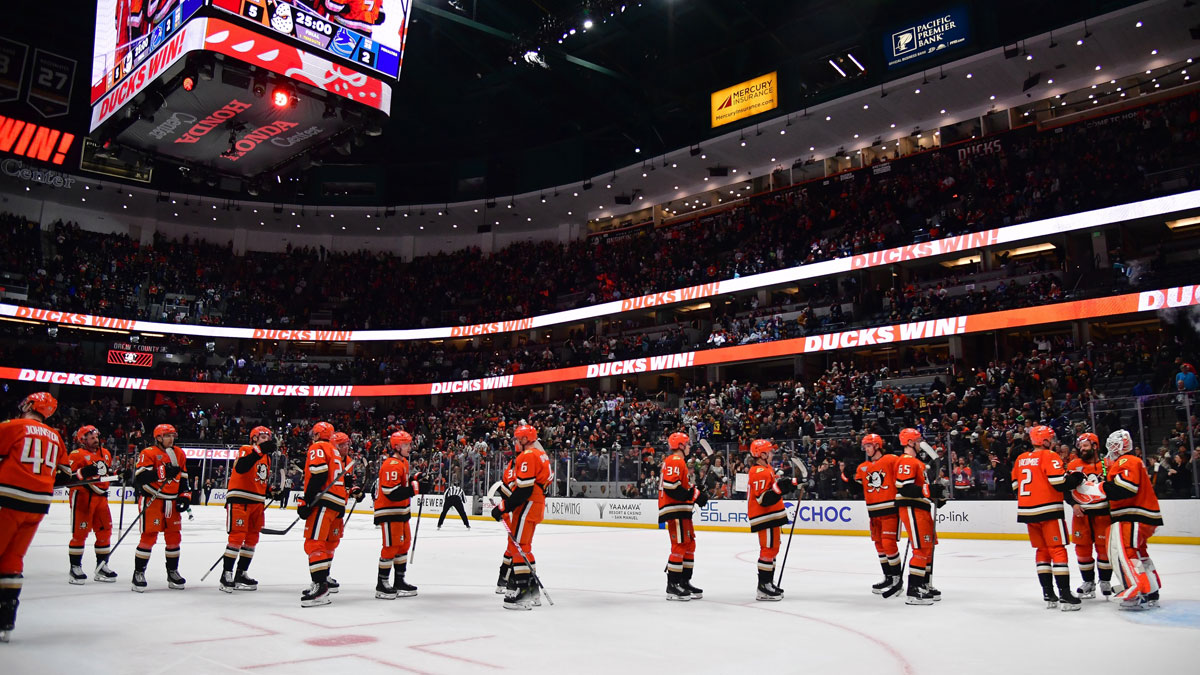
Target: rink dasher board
(958,520)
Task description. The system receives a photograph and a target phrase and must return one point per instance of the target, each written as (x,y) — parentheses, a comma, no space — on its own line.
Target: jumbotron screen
(370,33)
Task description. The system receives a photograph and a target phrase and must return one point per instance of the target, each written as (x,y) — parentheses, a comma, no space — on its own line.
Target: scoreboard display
(329,44)
(127,33)
(350,34)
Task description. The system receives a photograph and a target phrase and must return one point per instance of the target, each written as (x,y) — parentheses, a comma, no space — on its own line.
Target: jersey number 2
(32,454)
(1026,479)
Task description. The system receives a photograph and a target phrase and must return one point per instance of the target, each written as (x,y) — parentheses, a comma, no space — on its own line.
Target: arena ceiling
(467,106)
(472,120)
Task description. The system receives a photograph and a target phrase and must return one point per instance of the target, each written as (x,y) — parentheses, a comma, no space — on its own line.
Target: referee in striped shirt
(453,498)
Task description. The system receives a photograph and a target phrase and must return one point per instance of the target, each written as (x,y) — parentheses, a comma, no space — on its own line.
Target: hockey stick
(420,510)
(350,511)
(89,481)
(121,522)
(536,579)
(131,526)
(803,470)
(267,530)
(937,477)
(214,565)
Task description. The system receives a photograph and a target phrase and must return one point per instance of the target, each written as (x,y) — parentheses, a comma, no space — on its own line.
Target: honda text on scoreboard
(241,85)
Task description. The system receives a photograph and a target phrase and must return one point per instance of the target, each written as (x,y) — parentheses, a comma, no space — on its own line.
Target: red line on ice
(425,649)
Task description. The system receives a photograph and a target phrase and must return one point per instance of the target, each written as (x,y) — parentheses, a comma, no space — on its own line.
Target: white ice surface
(610,615)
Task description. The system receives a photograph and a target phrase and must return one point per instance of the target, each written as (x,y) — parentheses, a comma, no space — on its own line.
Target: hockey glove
(172,472)
(89,471)
(267,447)
(498,512)
(785,484)
(304,511)
(1073,480)
(183,501)
(357,494)
(700,499)
(938,491)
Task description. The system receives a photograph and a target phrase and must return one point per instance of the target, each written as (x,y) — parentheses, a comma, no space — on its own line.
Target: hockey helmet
(677,440)
(83,432)
(322,430)
(41,403)
(762,448)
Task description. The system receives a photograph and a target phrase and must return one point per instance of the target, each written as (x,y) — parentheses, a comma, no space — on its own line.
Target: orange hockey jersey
(31,453)
(878,480)
(674,485)
(910,479)
(393,496)
(82,457)
(1036,476)
(1131,496)
(324,463)
(531,469)
(764,502)
(154,461)
(249,486)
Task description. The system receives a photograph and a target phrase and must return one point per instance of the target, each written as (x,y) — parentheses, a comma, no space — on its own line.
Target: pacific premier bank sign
(927,37)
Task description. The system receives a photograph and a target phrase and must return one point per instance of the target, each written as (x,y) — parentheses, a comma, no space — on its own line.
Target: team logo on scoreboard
(281,17)
(343,43)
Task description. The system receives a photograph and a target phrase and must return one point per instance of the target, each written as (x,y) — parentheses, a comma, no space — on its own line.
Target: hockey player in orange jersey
(676,496)
(877,475)
(1135,517)
(1089,518)
(89,505)
(525,506)
(767,514)
(393,496)
(245,509)
(1040,481)
(915,500)
(32,457)
(323,509)
(161,483)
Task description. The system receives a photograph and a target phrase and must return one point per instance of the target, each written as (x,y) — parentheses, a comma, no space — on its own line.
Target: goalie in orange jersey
(1135,517)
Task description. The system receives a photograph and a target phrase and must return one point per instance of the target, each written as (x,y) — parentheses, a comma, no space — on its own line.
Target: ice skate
(315,595)
(384,590)
(77,576)
(104,574)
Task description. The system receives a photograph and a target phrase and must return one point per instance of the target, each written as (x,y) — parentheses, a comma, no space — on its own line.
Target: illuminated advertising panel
(919,40)
(745,99)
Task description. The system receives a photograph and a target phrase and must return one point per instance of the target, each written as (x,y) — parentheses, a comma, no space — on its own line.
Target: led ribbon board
(1158,206)
(1131,303)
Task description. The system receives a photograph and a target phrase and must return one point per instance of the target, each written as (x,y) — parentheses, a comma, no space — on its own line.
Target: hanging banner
(51,84)
(12,69)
